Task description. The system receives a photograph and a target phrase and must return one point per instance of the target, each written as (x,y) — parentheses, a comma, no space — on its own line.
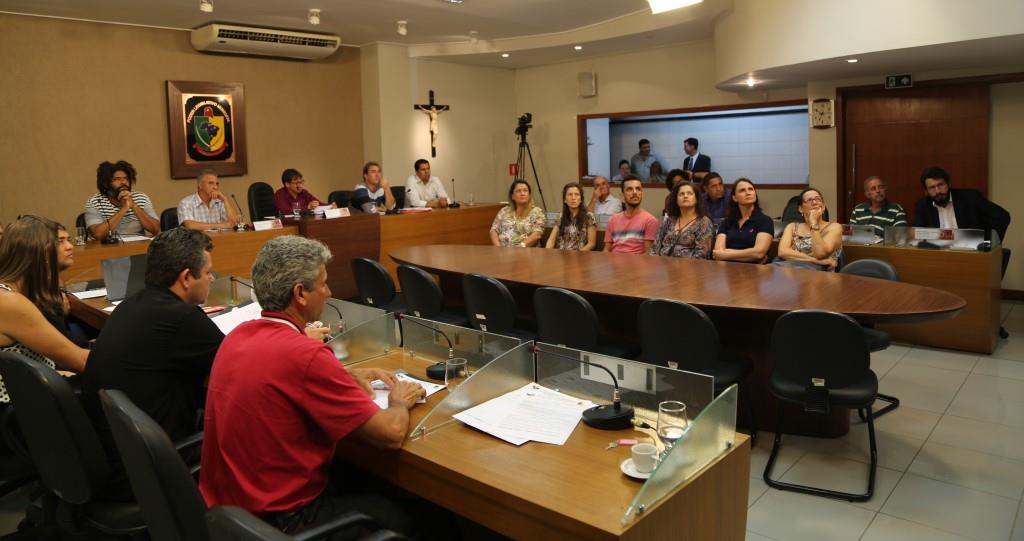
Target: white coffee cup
(645,456)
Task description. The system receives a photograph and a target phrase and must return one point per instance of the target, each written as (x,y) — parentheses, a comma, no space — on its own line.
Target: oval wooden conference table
(743,300)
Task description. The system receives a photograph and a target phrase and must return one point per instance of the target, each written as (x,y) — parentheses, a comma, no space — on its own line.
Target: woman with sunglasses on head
(814,243)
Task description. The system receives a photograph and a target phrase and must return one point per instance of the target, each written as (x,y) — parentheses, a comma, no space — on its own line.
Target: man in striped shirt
(116,207)
(877,211)
(207,208)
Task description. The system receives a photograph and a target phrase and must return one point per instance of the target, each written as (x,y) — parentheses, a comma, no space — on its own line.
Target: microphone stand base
(606,417)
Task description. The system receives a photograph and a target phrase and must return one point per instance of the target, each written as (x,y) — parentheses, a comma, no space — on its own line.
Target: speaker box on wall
(587,84)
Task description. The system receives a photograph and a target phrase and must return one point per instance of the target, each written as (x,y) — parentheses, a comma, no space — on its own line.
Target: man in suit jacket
(695,162)
(951,208)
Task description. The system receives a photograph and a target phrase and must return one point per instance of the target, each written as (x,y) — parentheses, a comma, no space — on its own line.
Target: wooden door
(896,134)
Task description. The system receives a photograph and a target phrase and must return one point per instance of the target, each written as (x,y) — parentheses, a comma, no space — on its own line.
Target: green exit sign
(899,81)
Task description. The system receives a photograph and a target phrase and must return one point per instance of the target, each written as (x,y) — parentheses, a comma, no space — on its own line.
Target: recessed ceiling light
(751,81)
(661,6)
(206,6)
(452,1)
(578,47)
(851,60)
(313,17)
(504,55)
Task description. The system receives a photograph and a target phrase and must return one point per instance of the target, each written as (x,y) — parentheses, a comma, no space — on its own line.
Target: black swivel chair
(676,332)
(261,201)
(491,308)
(236,524)
(564,318)
(801,341)
(424,297)
(169,219)
(877,340)
(791,212)
(341,198)
(66,450)
(376,288)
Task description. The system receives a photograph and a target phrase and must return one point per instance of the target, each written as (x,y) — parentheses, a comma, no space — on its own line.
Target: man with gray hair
(278,402)
(877,211)
(207,208)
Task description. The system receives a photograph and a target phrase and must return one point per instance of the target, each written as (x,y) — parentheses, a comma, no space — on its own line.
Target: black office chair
(673,332)
(877,340)
(341,198)
(261,201)
(16,468)
(566,319)
(235,524)
(491,308)
(162,483)
(399,193)
(169,219)
(376,288)
(424,298)
(1003,333)
(801,341)
(791,212)
(66,451)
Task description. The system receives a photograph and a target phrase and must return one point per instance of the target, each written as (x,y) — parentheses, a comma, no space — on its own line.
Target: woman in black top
(746,234)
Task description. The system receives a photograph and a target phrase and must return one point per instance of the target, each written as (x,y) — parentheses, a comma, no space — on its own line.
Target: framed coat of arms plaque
(206,128)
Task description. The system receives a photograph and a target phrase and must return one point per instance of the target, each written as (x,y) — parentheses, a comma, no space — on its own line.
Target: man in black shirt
(158,345)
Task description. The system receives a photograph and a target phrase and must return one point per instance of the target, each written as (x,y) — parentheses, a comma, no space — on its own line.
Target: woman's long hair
(581,211)
(28,257)
(734,207)
(673,200)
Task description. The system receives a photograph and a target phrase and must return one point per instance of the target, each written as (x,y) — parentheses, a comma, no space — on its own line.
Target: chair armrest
(188,442)
(346,520)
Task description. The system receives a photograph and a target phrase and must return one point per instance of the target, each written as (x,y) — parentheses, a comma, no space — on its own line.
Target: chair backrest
(819,344)
(872,268)
(168,496)
(679,332)
(228,523)
(261,201)
(57,432)
(169,219)
(376,288)
(399,193)
(489,304)
(341,198)
(791,213)
(80,220)
(422,294)
(565,318)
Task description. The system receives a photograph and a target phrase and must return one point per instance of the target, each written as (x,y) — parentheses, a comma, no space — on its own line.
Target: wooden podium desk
(538,491)
(233,253)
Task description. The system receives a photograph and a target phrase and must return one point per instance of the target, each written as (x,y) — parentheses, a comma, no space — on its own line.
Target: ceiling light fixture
(851,60)
(661,6)
(751,81)
(474,36)
(504,55)
(452,1)
(578,47)
(206,6)
(403,28)
(313,16)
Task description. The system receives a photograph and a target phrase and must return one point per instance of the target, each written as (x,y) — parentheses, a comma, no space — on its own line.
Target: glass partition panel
(504,374)
(710,434)
(642,386)
(937,239)
(366,340)
(337,311)
(230,291)
(860,234)
(426,338)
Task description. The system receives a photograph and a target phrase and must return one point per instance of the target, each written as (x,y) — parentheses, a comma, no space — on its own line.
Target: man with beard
(957,208)
(633,230)
(116,207)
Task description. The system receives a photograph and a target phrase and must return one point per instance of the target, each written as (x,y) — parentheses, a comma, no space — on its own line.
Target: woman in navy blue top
(746,234)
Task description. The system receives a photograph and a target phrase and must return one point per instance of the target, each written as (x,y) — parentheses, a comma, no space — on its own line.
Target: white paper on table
(381,389)
(91,294)
(111,308)
(228,321)
(133,238)
(530,413)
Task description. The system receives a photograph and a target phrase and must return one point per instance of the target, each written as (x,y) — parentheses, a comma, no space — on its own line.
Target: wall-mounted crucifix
(432,109)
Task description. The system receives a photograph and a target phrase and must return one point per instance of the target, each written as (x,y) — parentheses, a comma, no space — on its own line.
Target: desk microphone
(112,236)
(605,417)
(436,370)
(454,204)
(243,225)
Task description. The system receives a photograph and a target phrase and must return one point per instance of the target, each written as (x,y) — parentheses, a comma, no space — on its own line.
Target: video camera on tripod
(524,125)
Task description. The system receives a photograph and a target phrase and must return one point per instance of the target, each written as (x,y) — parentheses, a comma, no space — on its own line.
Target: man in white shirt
(207,208)
(423,190)
(602,202)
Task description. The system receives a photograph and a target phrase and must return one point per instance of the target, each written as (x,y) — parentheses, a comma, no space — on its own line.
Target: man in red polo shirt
(278,402)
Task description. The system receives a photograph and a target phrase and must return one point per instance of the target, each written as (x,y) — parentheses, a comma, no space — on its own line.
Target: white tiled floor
(951,458)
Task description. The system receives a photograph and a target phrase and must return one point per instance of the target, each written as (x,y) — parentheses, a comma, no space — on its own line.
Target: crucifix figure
(433,110)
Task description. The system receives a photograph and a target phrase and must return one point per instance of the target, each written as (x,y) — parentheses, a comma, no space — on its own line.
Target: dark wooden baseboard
(1013,294)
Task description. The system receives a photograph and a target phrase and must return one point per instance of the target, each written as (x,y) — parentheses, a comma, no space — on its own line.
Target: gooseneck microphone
(243,225)
(604,417)
(453,204)
(112,236)
(436,370)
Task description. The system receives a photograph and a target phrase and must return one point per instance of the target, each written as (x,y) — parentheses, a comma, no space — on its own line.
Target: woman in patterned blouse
(521,223)
(576,228)
(686,230)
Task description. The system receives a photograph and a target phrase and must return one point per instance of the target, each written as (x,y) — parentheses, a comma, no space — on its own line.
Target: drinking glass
(672,422)
(455,372)
(296,209)
(472,202)
(79,236)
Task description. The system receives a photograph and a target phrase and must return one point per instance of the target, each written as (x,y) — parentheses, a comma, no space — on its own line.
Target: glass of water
(79,236)
(455,372)
(672,422)
(296,209)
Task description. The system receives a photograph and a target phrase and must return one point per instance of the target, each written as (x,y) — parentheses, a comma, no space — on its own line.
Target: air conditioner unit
(224,38)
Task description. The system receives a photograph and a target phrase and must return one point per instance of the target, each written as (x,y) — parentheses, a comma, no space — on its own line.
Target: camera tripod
(524,153)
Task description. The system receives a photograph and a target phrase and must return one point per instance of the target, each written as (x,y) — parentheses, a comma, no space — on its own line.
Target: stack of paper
(228,321)
(91,294)
(530,413)
(381,389)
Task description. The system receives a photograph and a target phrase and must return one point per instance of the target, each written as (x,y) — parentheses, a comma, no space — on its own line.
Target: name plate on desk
(265,225)
(923,233)
(336,213)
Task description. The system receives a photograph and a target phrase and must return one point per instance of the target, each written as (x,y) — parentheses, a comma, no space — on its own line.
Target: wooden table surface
(714,284)
(539,491)
(466,225)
